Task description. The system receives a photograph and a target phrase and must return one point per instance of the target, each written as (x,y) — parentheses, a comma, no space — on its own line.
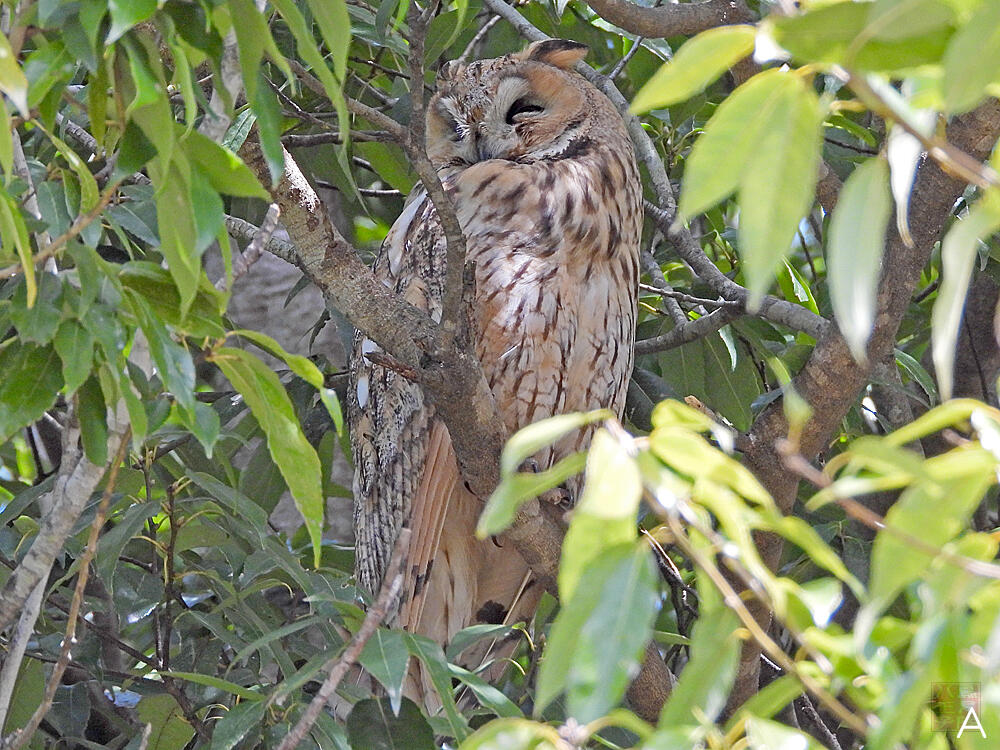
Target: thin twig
(81,223)
(256,247)
(774,651)
(620,65)
(20,737)
(689,331)
(798,465)
(689,299)
(305,140)
(470,48)
(337,668)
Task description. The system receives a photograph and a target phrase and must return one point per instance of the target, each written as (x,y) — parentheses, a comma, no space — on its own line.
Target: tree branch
(673,19)
(690,331)
(831,380)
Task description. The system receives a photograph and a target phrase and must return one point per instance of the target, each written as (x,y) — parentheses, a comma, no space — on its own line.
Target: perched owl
(545,185)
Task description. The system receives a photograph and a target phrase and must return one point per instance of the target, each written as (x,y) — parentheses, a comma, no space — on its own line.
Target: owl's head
(522,107)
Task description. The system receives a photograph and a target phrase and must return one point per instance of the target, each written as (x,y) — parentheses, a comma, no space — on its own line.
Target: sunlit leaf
(972,61)
(12,80)
(514,734)
(698,62)
(854,253)
(958,254)
(516,489)
(598,637)
(777,185)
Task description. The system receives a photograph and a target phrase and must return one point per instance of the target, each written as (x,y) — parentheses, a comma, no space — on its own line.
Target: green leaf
(720,155)
(124,15)
(931,511)
(12,80)
(234,726)
(527,441)
(252,517)
(488,696)
(373,726)
(171,731)
(433,660)
(294,456)
(918,373)
(14,240)
(854,254)
(31,382)
(520,487)
(254,40)
(203,421)
(38,323)
(769,700)
(301,366)
(472,634)
(958,254)
(386,658)
(605,514)
(156,287)
(89,193)
(840,33)
(972,61)
(173,361)
(698,63)
(112,542)
(514,734)
(75,346)
(335,25)
(269,124)
(598,637)
(778,182)
(440,33)
(703,687)
(225,171)
(178,230)
(216,682)
(763,734)
(27,695)
(93,423)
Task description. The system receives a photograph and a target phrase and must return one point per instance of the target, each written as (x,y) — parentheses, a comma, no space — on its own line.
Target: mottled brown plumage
(544,182)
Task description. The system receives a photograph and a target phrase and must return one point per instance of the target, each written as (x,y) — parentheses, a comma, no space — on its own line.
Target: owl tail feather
(454,580)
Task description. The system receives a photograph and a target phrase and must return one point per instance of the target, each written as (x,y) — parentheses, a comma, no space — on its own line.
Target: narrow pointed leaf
(854,255)
(778,183)
(958,255)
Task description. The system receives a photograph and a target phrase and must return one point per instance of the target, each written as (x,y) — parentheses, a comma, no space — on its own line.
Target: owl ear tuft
(562,53)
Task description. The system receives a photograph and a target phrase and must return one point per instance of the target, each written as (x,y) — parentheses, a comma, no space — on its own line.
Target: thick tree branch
(671,19)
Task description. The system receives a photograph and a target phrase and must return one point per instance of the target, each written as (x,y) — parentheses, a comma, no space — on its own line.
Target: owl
(544,182)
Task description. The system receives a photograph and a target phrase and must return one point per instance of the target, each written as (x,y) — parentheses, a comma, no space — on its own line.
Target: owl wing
(406,473)
(390,421)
